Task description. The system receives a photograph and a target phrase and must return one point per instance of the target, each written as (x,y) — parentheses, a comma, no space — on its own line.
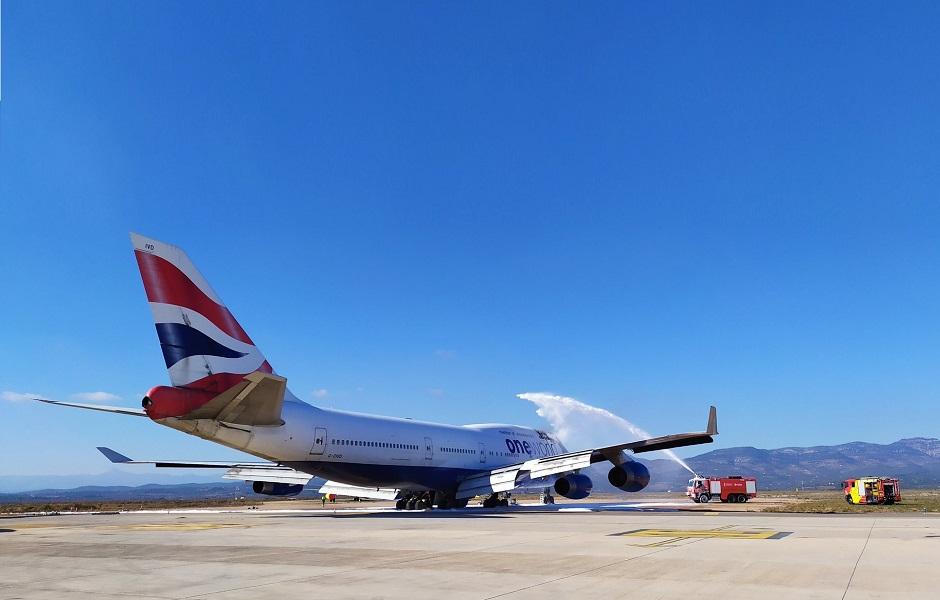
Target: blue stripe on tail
(180,341)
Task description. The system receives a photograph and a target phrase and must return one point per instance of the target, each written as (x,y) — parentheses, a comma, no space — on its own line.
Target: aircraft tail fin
(205,349)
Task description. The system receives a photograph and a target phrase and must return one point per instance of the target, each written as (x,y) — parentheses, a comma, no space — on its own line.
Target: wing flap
(560,464)
(355,491)
(274,474)
(499,480)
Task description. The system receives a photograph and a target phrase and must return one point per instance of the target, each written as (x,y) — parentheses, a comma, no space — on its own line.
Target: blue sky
(423,209)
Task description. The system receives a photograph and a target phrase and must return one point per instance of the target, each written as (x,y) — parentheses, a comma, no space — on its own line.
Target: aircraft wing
(260,471)
(121,410)
(507,478)
(355,491)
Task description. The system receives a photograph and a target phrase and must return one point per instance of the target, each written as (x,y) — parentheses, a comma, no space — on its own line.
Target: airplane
(224,390)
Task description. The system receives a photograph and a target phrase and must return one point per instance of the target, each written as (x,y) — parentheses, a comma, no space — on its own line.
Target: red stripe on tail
(167,284)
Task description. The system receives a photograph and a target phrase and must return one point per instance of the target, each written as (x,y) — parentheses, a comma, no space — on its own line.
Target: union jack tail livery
(204,347)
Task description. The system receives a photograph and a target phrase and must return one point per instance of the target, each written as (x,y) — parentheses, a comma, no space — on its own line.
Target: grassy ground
(108,506)
(111,506)
(829,502)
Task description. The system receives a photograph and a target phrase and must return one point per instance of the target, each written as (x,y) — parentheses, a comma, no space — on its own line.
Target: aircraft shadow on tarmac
(403,514)
(479,512)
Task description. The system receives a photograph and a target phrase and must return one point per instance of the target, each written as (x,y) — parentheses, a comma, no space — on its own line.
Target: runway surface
(611,550)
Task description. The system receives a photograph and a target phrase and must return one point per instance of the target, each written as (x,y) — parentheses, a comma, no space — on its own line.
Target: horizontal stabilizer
(257,400)
(136,412)
(115,457)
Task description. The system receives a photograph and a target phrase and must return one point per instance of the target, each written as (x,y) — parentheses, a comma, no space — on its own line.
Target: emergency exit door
(428,449)
(319,441)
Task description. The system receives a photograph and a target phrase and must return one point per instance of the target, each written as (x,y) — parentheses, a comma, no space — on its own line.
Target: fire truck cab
(872,490)
(728,489)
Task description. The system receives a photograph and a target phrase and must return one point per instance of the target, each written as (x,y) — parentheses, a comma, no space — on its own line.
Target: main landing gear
(425,500)
(494,500)
(413,502)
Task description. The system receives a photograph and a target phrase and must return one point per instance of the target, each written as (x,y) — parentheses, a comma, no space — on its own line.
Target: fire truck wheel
(704,498)
(848,498)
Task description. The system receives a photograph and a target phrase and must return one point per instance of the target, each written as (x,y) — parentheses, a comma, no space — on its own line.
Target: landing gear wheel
(399,504)
(549,499)
(491,501)
(504,502)
(410,505)
(462,503)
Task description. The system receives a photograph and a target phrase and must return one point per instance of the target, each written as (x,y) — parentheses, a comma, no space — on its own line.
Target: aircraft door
(319,441)
(482,452)
(428,449)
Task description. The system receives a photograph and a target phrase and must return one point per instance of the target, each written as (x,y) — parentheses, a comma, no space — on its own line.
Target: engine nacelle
(574,486)
(629,477)
(271,488)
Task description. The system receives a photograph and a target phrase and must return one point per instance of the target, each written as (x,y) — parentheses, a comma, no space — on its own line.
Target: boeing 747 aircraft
(225,391)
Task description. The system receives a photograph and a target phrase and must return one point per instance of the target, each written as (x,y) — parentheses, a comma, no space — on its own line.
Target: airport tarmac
(593,551)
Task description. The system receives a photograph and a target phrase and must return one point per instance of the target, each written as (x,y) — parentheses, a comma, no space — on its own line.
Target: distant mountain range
(113,477)
(217,490)
(915,460)
(151,491)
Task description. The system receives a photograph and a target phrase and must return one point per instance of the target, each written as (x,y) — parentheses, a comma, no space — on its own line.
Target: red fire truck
(734,488)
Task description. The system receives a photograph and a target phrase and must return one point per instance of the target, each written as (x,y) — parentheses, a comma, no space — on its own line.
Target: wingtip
(115,457)
(712,428)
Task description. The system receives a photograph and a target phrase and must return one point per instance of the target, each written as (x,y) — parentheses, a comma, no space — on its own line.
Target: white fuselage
(374,451)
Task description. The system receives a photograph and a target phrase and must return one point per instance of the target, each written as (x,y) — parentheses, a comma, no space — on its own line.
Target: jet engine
(270,488)
(575,486)
(630,476)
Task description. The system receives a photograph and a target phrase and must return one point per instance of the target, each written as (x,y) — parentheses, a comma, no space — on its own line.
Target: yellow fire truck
(872,490)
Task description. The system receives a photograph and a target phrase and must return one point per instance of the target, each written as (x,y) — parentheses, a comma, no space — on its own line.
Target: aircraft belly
(386,476)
